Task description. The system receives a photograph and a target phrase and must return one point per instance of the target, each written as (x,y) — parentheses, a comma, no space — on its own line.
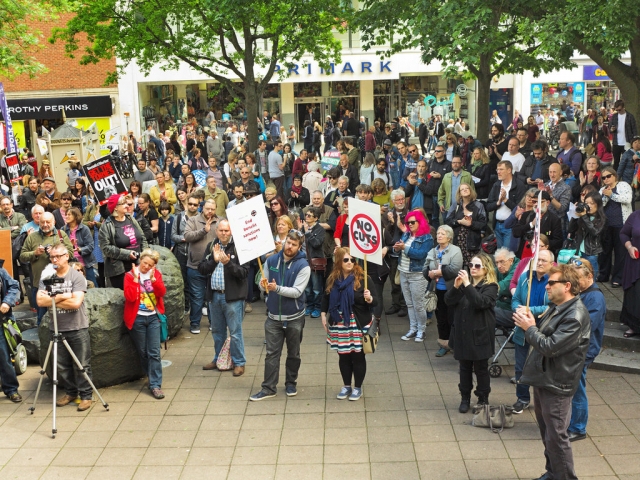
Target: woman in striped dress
(346,315)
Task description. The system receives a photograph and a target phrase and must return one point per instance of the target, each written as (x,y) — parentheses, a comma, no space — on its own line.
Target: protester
(82,240)
(413,247)
(286,275)
(630,238)
(162,192)
(587,226)
(346,317)
(468,220)
(49,198)
(73,324)
(554,365)
(314,235)
(443,263)
(226,292)
(503,198)
(180,249)
(9,298)
(472,338)
(144,292)
(93,220)
(121,239)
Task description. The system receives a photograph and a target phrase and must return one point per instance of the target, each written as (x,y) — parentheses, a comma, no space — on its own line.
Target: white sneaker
(409,335)
(248,308)
(419,337)
(204,310)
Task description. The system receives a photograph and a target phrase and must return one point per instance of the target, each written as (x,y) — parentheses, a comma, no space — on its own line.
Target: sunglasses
(309,214)
(607,176)
(411,222)
(438,151)
(274,204)
(193,204)
(553,282)
(475,265)
(298,233)
(348,260)
(413,151)
(129,204)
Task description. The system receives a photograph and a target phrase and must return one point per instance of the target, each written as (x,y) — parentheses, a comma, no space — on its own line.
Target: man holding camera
(72,322)
(36,250)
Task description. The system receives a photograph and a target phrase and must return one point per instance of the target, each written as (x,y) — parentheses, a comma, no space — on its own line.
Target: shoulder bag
(496,418)
(317,264)
(370,337)
(164,328)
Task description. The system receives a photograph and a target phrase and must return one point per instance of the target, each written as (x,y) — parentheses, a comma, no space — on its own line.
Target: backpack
(17,243)
(388,178)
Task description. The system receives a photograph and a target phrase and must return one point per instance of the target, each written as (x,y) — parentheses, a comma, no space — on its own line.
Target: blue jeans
(145,334)
(288,181)
(71,378)
(40,311)
(593,260)
(223,315)
(197,289)
(275,334)
(7,372)
(522,391)
(580,406)
(91,276)
(314,290)
(503,235)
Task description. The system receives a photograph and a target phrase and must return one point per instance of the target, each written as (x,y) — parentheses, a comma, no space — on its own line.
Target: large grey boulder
(31,342)
(114,359)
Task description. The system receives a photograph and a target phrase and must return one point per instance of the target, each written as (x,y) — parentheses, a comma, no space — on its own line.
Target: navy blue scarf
(341,300)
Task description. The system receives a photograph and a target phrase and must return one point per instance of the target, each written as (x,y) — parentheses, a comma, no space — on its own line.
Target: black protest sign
(104,179)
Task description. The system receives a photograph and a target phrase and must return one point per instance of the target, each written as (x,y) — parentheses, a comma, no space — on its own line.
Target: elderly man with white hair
(313,178)
(506,262)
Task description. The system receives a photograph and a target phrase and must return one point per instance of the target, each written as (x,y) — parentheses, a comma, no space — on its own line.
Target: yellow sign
(18,132)
(103,124)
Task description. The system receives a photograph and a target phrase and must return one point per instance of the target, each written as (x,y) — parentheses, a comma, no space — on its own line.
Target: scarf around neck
(341,300)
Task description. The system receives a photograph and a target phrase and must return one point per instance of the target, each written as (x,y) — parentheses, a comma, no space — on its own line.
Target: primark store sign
(73,107)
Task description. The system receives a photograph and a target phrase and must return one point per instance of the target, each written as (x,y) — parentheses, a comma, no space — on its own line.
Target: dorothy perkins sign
(74,107)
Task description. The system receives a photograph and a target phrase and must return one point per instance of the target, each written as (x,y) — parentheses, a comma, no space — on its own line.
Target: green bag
(12,333)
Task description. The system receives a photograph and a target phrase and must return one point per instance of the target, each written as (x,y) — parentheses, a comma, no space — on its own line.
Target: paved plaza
(406,425)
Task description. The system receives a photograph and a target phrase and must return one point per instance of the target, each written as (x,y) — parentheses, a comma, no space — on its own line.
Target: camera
(582,207)
(52,282)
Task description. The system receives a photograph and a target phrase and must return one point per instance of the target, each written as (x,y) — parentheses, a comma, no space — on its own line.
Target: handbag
(317,264)
(370,338)
(568,250)
(224,362)
(430,301)
(164,328)
(496,418)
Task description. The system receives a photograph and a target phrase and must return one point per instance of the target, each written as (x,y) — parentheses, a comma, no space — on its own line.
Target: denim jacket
(418,250)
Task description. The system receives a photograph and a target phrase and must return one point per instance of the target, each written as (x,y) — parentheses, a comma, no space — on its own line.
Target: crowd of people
(457,220)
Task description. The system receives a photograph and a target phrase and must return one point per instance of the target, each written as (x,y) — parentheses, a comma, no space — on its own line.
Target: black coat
(301,201)
(354,176)
(550,225)
(472,334)
(483,187)
(235,275)
(478,224)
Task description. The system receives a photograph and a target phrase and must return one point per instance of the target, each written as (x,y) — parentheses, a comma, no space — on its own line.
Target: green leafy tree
(19,39)
(244,38)
(474,39)
(604,31)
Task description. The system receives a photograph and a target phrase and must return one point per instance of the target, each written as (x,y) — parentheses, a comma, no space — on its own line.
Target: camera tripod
(53,346)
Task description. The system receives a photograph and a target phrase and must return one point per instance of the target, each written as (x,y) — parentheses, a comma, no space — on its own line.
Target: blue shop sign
(594,72)
(536,93)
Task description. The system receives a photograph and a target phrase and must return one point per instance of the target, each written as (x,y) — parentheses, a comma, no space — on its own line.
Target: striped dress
(346,339)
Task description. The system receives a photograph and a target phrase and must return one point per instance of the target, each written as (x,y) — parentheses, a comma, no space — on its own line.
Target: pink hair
(423,224)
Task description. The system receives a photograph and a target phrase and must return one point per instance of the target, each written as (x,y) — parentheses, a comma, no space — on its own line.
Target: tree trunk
(252,98)
(484,75)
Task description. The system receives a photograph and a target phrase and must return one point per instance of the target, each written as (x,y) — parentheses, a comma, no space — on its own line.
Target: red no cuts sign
(365,234)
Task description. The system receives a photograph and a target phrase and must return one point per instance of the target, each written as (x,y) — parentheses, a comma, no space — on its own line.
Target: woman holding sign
(346,315)
(413,246)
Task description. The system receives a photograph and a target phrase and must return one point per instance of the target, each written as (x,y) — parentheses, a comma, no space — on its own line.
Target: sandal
(630,333)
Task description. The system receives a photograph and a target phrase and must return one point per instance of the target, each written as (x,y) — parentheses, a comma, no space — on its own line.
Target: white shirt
(503,212)
(516,160)
(622,118)
(540,121)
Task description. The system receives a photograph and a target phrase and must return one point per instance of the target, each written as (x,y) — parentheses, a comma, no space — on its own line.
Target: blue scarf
(341,300)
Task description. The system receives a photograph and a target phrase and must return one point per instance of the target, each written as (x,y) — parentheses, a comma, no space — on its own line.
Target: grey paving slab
(405,427)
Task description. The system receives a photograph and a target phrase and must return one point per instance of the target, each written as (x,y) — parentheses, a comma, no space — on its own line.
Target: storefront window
(345,88)
(424,96)
(384,92)
(309,89)
(601,94)
(556,96)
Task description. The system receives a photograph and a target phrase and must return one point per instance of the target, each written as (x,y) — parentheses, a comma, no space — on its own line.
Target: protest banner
(10,139)
(250,229)
(365,231)
(330,159)
(104,178)
(13,167)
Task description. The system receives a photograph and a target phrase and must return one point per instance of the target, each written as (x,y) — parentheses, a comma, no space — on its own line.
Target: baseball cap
(49,179)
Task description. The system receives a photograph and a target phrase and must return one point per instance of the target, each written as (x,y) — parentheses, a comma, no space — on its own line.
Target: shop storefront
(30,115)
(601,90)
(556,96)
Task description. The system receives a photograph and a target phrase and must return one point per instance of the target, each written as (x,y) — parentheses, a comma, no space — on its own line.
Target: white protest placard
(365,230)
(250,229)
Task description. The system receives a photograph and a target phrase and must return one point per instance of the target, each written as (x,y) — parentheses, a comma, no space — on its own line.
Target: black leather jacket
(588,231)
(558,348)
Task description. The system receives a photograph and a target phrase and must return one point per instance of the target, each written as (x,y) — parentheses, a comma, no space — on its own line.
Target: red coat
(132,297)
(369,142)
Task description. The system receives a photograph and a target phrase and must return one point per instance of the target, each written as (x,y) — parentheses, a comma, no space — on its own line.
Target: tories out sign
(250,229)
(104,179)
(365,231)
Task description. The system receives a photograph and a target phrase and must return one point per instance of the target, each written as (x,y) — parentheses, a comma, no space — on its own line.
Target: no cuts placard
(365,231)
(250,229)
(104,179)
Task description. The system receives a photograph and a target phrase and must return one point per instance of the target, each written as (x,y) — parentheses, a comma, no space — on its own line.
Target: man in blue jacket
(285,279)
(10,294)
(538,301)
(593,299)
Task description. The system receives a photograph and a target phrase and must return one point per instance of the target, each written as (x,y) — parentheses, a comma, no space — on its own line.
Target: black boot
(483,399)
(465,403)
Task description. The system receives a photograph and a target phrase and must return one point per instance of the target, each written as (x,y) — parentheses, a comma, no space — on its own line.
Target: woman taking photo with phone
(473,298)
(346,316)
(143,296)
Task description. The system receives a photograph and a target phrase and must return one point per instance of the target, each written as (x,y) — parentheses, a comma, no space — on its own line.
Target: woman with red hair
(414,246)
